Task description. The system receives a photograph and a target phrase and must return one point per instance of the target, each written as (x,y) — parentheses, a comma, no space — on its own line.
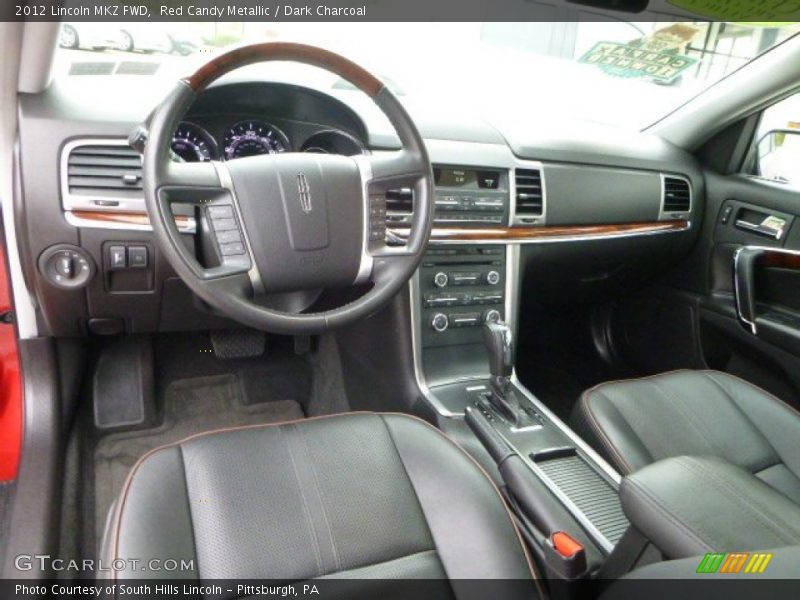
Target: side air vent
(677,195)
(400,201)
(530,195)
(104,171)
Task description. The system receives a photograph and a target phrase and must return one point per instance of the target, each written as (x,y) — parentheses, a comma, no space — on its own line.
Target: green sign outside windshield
(771,11)
(626,60)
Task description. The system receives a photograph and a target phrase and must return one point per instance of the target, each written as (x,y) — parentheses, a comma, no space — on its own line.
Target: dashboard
(580,204)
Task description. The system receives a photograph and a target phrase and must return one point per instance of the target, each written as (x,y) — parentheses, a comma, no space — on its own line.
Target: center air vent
(677,195)
(530,196)
(104,172)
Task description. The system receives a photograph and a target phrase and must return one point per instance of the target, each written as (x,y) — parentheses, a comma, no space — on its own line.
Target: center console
(464,315)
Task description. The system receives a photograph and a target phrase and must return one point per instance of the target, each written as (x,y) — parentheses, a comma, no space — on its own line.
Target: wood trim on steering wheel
(285,51)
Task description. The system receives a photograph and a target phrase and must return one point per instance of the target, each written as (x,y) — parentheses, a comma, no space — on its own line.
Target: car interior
(295,325)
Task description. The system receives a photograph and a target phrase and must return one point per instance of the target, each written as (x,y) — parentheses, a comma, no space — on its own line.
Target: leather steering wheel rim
(233,286)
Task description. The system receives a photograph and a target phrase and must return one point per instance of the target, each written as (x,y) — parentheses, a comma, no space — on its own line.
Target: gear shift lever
(500,345)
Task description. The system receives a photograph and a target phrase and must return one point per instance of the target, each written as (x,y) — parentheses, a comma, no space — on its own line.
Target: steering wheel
(272,225)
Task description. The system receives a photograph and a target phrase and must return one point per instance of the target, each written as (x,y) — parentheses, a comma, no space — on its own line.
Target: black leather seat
(358,495)
(703,413)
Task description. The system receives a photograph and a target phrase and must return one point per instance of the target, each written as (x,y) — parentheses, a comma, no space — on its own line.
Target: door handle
(744,268)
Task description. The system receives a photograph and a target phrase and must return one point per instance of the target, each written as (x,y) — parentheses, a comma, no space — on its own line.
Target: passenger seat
(700,413)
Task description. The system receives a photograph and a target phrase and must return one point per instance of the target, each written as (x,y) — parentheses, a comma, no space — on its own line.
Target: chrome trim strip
(663,216)
(367,261)
(226,181)
(512,287)
(416,345)
(76,221)
(73,202)
(738,292)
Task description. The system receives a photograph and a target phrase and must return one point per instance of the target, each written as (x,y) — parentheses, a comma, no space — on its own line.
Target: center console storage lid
(689,505)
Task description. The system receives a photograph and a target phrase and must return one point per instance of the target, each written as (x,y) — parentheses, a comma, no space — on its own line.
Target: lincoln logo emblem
(304,193)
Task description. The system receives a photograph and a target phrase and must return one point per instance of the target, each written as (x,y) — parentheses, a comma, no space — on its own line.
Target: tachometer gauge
(248,138)
(193,144)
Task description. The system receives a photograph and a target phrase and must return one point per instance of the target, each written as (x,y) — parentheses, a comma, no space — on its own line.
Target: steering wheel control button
(117,258)
(440,279)
(229,236)
(137,257)
(66,266)
(440,322)
(224,224)
(493,278)
(377,218)
(224,211)
(233,249)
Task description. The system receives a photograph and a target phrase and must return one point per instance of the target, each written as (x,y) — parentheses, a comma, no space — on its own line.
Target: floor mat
(191,406)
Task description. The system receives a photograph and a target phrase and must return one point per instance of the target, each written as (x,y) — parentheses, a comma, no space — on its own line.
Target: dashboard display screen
(466,178)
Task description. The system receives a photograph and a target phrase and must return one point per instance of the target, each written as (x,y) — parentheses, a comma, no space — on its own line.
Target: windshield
(617,73)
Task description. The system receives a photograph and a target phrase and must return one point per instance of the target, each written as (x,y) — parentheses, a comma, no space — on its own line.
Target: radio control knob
(440,322)
(493,278)
(491,316)
(440,279)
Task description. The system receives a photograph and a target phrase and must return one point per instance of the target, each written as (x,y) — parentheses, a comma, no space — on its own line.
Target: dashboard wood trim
(124,218)
(780,259)
(467,234)
(512,234)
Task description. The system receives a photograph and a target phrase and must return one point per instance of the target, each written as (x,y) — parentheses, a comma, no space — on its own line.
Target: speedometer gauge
(249,138)
(193,144)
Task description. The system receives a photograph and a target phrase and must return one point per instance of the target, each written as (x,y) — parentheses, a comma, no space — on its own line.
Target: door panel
(750,322)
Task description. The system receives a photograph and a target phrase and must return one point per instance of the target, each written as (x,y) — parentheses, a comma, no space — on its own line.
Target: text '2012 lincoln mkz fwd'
(380,310)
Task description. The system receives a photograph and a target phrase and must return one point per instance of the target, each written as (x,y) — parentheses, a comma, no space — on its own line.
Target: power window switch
(137,257)
(726,215)
(117,257)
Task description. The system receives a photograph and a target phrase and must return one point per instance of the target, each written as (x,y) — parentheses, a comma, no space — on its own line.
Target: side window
(777,143)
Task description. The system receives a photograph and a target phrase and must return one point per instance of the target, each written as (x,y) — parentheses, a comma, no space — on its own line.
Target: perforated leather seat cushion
(704,413)
(358,494)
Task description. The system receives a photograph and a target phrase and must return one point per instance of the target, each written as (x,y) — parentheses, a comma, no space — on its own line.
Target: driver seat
(359,495)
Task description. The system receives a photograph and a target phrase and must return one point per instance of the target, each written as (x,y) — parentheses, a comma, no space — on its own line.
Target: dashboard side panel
(585,194)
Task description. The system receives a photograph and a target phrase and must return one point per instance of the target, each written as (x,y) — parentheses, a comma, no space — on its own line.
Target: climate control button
(441,279)
(492,316)
(440,322)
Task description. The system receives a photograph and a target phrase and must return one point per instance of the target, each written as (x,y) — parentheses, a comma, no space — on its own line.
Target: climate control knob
(493,278)
(492,316)
(440,279)
(440,322)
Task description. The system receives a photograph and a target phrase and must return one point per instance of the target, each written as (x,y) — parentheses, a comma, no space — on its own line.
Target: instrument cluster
(251,137)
